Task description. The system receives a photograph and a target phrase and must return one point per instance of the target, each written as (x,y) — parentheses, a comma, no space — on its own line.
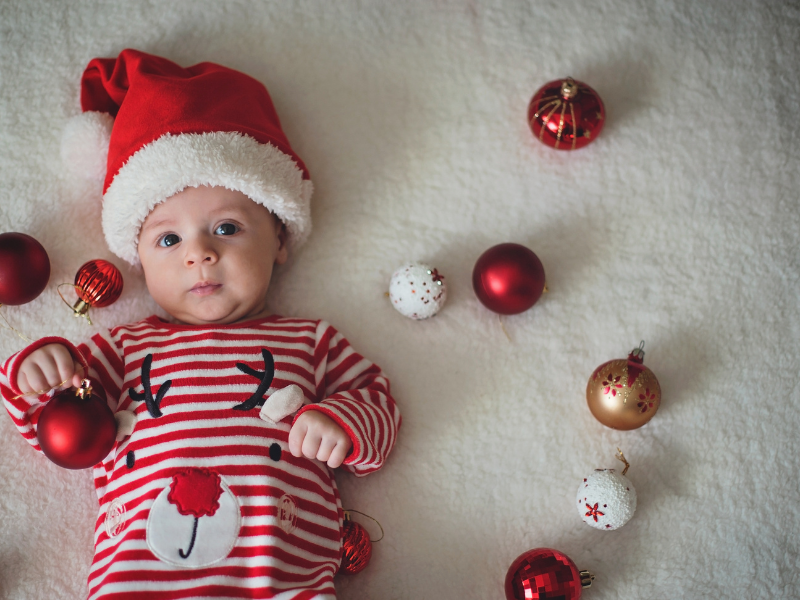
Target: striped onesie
(202,498)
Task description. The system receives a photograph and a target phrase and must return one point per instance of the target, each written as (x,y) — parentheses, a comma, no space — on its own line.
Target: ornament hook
(85,390)
(621,456)
(81,307)
(586,579)
(639,352)
(351,510)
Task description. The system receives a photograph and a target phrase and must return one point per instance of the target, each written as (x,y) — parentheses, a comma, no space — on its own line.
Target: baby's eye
(169,240)
(226,229)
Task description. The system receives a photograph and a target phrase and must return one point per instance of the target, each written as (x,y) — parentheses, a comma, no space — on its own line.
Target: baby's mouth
(204,288)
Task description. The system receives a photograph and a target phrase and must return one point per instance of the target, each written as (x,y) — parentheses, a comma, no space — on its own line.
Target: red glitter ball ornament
(76,430)
(98,284)
(356,547)
(545,573)
(24,268)
(508,279)
(566,114)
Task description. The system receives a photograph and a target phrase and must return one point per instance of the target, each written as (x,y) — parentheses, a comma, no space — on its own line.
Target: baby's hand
(48,367)
(315,435)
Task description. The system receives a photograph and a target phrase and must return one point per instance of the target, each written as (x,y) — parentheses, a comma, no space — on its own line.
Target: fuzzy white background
(679,225)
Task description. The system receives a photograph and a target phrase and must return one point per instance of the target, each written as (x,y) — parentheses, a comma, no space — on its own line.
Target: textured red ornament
(76,430)
(24,268)
(566,114)
(543,573)
(508,279)
(356,548)
(99,283)
(195,492)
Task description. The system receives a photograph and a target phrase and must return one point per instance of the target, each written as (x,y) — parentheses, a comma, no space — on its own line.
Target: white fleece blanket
(678,226)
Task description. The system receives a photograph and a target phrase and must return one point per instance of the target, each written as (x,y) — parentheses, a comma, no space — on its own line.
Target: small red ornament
(566,114)
(545,573)
(24,268)
(98,283)
(76,430)
(508,279)
(356,547)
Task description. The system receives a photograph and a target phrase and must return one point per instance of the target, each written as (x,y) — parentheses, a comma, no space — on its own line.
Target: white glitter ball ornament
(417,291)
(607,499)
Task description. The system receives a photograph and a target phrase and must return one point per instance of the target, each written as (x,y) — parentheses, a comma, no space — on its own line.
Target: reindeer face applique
(196,518)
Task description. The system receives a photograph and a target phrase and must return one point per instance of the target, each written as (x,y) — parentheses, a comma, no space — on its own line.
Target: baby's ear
(283,238)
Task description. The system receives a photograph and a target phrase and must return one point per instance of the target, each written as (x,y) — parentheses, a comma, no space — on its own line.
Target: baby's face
(208,254)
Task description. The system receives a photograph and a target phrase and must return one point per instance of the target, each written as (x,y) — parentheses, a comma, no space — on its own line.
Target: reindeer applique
(195,520)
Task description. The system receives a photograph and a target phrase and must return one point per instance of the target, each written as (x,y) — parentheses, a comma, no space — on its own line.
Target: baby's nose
(200,252)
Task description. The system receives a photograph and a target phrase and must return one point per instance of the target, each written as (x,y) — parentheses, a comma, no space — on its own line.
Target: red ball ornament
(356,547)
(24,268)
(508,279)
(98,284)
(566,114)
(76,430)
(545,573)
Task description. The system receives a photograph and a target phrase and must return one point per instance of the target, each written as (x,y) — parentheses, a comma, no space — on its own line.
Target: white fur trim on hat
(228,159)
(84,144)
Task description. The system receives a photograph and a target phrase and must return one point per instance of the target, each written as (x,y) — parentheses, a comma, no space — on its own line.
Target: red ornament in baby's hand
(24,268)
(76,429)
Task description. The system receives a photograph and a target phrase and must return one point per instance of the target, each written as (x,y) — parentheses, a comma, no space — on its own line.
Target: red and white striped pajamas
(203,499)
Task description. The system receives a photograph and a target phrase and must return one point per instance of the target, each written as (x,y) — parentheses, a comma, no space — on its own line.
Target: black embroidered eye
(130,459)
(169,240)
(275,452)
(226,229)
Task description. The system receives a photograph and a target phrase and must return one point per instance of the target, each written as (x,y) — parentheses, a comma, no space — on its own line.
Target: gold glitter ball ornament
(623,393)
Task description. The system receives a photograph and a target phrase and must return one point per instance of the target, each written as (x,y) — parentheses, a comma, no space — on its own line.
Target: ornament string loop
(11,327)
(621,456)
(347,512)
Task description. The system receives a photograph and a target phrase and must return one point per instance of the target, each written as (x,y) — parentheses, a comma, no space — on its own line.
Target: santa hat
(151,129)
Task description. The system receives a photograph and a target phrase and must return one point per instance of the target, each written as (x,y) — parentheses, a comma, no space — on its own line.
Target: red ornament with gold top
(623,393)
(566,114)
(98,283)
(76,430)
(545,573)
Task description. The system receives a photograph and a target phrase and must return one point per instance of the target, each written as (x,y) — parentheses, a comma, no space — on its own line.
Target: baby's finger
(338,454)
(65,366)
(326,446)
(34,379)
(311,444)
(296,436)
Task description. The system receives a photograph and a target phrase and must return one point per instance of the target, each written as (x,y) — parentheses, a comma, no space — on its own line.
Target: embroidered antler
(257,399)
(153,404)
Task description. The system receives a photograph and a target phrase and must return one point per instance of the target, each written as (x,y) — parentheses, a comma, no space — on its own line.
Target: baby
(230,419)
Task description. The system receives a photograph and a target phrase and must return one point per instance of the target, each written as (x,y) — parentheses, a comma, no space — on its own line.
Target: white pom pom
(606,500)
(84,144)
(417,291)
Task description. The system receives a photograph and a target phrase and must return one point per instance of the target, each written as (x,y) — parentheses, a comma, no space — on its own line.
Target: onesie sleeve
(101,354)
(354,393)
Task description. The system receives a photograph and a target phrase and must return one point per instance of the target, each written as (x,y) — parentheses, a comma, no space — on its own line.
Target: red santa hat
(151,129)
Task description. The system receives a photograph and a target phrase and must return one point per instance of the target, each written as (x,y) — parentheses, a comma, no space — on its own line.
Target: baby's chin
(215,315)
